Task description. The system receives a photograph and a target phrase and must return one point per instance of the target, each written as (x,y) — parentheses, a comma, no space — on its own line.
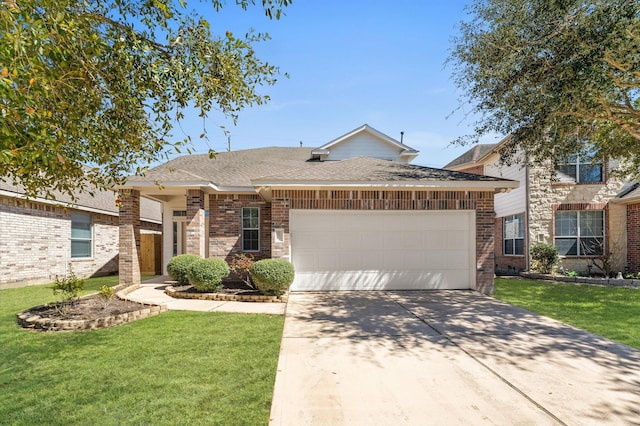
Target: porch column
(485,241)
(129,244)
(280,226)
(195,223)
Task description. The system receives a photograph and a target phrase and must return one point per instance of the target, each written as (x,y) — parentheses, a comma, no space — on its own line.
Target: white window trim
(578,236)
(512,216)
(577,163)
(249,229)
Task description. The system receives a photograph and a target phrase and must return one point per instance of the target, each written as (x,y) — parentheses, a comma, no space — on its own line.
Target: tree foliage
(91,89)
(553,73)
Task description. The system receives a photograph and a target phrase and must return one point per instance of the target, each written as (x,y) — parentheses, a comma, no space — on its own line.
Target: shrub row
(270,276)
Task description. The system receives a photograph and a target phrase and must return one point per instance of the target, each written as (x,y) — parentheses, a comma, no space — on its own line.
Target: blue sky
(350,62)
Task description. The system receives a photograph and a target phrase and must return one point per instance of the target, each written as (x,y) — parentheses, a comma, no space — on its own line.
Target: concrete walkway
(152,291)
(445,358)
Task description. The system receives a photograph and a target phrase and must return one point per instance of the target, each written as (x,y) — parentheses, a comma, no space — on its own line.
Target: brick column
(485,242)
(280,226)
(129,247)
(195,222)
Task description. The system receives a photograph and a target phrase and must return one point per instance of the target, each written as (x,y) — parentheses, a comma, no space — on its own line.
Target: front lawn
(610,312)
(174,368)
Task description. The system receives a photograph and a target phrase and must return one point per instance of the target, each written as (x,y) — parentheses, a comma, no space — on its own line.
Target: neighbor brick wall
(225,216)
(482,202)
(35,243)
(633,237)
(506,264)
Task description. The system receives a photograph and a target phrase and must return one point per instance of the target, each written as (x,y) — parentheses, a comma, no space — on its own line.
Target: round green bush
(272,276)
(543,257)
(206,274)
(177,267)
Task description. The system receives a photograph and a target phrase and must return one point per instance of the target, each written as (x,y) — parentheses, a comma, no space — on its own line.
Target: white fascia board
(59,203)
(189,185)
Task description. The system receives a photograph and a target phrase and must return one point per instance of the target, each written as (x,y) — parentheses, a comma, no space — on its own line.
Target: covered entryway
(382,249)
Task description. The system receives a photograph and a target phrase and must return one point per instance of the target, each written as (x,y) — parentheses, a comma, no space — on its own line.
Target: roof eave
(505,185)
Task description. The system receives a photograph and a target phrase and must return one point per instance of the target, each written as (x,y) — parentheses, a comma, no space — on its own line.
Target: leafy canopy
(553,73)
(91,89)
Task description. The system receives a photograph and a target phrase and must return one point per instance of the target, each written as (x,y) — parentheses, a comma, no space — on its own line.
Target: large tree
(91,89)
(553,74)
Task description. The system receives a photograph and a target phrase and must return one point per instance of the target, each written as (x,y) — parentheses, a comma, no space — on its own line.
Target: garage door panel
(376,250)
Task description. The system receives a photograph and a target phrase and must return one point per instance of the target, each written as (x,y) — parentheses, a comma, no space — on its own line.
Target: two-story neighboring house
(576,205)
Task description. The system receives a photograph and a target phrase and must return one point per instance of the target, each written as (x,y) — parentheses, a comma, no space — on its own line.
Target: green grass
(175,368)
(610,312)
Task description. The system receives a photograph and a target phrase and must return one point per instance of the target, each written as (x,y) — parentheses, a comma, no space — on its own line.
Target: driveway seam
(482,364)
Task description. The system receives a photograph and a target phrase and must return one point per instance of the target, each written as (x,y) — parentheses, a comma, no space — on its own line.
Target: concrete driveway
(445,357)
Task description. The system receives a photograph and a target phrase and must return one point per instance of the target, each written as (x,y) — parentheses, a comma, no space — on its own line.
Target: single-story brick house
(351,214)
(41,239)
(577,204)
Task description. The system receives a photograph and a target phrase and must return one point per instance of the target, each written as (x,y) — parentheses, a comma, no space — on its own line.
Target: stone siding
(547,195)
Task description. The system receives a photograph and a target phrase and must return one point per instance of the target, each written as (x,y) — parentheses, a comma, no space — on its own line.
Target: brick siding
(129,238)
(508,265)
(225,221)
(633,237)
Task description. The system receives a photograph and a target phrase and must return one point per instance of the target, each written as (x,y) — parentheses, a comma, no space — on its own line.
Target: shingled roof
(261,167)
(100,201)
(370,170)
(472,155)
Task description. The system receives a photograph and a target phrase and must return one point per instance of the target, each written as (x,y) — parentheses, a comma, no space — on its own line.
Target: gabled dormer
(365,141)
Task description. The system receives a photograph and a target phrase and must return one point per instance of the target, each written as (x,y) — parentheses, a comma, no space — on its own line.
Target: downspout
(527,262)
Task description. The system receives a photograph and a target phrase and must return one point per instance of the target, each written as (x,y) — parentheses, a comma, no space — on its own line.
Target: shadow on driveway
(490,349)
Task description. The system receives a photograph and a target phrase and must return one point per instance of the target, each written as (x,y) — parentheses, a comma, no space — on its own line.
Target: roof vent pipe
(401,136)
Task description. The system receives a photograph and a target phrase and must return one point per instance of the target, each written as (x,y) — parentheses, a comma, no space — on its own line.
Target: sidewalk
(152,292)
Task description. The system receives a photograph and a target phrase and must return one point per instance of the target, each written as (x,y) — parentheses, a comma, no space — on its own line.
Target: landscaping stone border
(608,282)
(35,322)
(170,291)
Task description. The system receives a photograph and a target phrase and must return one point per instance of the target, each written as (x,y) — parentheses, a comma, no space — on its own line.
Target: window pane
(80,226)
(567,246)
(80,248)
(519,248)
(590,173)
(250,240)
(566,224)
(591,224)
(591,246)
(566,172)
(250,217)
(508,246)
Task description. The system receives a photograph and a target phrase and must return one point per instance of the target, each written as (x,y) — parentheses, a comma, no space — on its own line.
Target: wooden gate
(151,254)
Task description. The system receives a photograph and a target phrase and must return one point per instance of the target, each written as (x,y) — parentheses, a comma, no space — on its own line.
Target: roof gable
(365,141)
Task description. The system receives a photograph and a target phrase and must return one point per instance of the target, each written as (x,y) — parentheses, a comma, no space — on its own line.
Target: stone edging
(609,282)
(170,291)
(35,322)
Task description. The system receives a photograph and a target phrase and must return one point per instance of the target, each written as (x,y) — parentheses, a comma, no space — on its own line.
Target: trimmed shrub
(272,276)
(543,257)
(206,274)
(178,265)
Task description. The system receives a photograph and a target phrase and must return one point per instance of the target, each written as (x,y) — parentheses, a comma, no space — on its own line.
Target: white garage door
(382,250)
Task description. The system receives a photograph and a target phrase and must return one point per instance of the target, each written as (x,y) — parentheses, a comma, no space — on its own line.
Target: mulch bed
(87,308)
(228,287)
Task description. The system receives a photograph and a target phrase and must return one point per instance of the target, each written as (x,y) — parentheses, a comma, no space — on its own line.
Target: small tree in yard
(70,287)
(241,264)
(543,257)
